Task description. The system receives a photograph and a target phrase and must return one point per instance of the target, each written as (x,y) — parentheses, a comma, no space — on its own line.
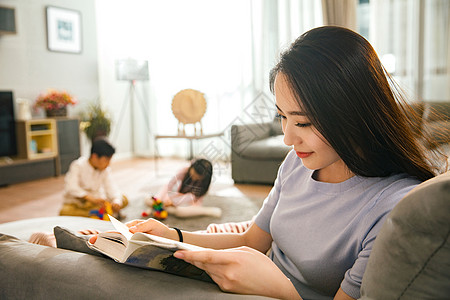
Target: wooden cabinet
(36,139)
(45,147)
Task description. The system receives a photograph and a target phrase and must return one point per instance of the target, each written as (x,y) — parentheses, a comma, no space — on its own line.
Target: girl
(354,157)
(183,195)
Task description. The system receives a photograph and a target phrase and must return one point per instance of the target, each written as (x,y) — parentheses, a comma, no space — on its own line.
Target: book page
(136,244)
(112,244)
(140,236)
(166,243)
(120,227)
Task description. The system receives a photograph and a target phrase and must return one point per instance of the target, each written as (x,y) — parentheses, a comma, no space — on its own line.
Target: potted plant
(55,102)
(96,122)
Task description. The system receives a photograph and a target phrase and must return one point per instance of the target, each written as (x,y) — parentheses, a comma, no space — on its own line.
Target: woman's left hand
(242,270)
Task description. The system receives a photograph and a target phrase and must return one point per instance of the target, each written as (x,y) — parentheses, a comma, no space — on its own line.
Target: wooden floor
(43,198)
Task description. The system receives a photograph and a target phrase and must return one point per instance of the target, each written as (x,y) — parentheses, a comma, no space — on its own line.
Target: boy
(89,184)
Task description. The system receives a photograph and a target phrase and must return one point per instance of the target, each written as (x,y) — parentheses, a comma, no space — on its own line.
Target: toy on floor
(158,211)
(102,213)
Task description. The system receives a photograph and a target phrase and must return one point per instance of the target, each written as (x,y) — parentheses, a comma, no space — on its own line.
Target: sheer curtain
(276,24)
(223,48)
(340,13)
(203,45)
(412,39)
(436,55)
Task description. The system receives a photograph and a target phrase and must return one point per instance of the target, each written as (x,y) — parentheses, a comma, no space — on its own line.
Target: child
(183,195)
(354,157)
(89,187)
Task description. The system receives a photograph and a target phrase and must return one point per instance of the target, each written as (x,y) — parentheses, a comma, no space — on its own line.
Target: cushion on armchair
(411,255)
(266,149)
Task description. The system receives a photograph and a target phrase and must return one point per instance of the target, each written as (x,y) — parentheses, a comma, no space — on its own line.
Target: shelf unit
(57,144)
(37,139)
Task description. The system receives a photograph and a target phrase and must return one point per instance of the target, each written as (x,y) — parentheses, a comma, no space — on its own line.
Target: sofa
(257,152)
(258,149)
(30,271)
(410,259)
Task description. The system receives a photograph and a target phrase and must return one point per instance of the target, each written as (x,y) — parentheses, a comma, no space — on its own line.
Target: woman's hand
(242,270)
(152,226)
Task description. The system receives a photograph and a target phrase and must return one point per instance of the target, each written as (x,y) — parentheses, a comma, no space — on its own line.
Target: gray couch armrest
(410,258)
(30,271)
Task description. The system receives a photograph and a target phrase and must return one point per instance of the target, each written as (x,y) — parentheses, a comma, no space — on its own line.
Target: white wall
(28,68)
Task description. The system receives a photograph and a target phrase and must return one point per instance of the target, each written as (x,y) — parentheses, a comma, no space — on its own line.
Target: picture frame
(63,30)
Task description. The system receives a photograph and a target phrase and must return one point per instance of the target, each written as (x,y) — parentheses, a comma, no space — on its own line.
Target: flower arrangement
(54,99)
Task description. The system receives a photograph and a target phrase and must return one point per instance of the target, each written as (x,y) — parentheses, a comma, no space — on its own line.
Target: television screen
(8,146)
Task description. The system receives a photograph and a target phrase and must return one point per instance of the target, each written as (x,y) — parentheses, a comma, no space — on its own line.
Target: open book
(146,251)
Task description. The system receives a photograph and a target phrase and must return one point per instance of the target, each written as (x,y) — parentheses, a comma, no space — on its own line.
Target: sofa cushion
(410,258)
(266,149)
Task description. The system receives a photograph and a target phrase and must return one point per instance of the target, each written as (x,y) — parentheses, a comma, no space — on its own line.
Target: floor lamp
(132,70)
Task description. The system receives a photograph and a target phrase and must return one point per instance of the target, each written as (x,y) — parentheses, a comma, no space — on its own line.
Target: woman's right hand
(152,226)
(242,270)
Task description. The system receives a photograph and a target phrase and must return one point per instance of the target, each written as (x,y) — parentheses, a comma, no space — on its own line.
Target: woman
(354,157)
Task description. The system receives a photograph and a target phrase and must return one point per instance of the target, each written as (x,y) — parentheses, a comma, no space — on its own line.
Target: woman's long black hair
(199,188)
(341,85)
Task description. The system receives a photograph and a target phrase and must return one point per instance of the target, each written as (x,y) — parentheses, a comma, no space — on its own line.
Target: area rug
(234,209)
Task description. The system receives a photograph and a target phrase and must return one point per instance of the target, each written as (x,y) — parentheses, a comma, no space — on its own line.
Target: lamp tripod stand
(131,96)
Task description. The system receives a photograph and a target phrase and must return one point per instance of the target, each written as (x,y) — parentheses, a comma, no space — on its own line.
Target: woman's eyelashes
(279,116)
(301,125)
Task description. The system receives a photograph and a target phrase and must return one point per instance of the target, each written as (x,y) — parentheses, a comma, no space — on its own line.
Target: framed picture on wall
(63,30)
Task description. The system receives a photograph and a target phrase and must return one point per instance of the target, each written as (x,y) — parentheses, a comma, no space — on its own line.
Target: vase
(56,112)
